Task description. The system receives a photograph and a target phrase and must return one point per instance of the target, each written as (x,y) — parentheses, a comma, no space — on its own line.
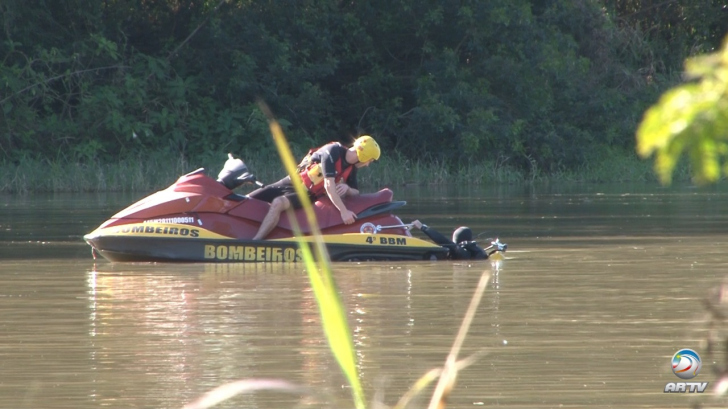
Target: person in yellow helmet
(329,170)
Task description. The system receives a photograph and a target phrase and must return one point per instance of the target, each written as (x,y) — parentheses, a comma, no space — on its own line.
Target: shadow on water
(600,287)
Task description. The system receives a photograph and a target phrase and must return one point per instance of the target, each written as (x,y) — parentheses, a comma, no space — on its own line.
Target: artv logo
(686,364)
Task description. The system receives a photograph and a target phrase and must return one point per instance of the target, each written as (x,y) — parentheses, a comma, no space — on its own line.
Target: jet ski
(201,219)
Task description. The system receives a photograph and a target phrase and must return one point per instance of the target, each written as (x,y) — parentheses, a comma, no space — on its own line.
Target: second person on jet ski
(329,170)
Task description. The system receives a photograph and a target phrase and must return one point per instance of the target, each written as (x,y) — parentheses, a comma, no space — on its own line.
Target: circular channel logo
(686,364)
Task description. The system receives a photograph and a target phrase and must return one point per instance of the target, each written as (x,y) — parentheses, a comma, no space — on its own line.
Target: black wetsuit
(464,250)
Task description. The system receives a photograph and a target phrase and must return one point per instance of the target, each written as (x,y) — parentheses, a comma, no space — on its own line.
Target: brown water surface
(600,287)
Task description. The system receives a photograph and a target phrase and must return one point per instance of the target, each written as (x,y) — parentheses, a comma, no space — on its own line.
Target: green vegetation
(525,89)
(692,118)
(147,172)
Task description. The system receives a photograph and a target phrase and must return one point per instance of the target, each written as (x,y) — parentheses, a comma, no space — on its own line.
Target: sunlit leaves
(693,119)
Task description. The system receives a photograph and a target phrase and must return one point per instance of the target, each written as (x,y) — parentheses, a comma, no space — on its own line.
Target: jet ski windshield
(235,173)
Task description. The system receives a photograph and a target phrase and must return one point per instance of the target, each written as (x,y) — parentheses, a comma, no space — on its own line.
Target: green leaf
(692,118)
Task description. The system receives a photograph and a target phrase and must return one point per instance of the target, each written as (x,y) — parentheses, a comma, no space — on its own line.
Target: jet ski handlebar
(379,227)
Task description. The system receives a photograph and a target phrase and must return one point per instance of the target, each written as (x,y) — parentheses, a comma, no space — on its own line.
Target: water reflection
(204,325)
(174,326)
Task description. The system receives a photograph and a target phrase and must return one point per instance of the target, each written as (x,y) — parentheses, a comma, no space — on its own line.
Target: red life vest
(312,175)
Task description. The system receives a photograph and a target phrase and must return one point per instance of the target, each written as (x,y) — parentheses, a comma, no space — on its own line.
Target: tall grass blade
(431,375)
(450,370)
(232,389)
(333,314)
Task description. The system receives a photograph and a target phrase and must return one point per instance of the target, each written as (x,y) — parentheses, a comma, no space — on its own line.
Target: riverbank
(156,171)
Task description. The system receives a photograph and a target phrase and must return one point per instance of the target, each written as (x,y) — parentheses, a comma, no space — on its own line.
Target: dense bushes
(537,84)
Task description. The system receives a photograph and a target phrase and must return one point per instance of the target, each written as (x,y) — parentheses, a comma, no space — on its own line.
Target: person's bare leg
(277,206)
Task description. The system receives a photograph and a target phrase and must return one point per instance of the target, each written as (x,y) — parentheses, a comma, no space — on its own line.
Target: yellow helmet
(366,148)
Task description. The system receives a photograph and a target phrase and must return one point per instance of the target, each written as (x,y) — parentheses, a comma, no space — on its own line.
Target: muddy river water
(600,287)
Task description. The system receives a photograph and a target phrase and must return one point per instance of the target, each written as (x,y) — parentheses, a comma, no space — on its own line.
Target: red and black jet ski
(200,219)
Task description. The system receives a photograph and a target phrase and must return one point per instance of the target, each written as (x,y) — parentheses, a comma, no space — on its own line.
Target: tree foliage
(531,82)
(692,118)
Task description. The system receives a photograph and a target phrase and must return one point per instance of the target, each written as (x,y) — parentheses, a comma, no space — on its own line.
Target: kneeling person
(330,171)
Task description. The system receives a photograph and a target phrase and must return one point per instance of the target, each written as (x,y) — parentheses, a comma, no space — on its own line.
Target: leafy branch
(691,118)
(57,77)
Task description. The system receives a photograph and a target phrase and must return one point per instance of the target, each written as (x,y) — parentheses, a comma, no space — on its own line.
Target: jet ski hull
(147,242)
(199,219)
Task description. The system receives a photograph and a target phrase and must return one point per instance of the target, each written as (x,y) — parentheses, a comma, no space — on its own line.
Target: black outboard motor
(235,173)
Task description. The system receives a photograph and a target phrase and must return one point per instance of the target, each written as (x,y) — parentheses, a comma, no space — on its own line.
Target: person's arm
(328,159)
(474,251)
(344,190)
(349,187)
(331,191)
(436,236)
